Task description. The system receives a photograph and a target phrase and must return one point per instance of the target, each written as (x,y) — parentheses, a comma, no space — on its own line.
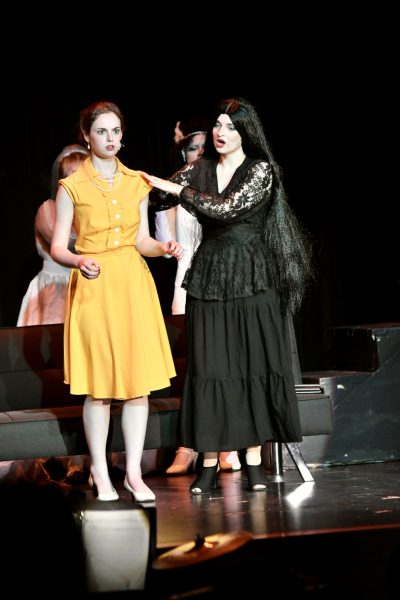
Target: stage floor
(336,536)
(343,498)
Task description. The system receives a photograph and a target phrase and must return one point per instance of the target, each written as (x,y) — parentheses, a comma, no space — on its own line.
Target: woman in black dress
(246,280)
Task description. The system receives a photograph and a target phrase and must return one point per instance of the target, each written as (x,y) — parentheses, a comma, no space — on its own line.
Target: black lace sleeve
(254,186)
(163,200)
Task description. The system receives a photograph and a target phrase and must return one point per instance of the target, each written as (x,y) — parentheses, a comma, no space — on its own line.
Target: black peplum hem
(213,272)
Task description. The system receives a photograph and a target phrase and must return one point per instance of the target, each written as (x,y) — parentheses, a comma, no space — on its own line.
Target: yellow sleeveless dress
(115,341)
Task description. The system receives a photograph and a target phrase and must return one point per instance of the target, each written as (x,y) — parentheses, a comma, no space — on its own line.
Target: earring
(88,146)
(121,145)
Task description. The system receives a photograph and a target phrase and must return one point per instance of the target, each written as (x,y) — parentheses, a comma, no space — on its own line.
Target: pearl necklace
(112,182)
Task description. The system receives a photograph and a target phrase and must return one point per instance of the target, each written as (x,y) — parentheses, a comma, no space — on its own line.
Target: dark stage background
(326,110)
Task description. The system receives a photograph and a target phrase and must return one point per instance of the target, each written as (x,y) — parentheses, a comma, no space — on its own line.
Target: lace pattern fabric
(232,261)
(255,183)
(254,187)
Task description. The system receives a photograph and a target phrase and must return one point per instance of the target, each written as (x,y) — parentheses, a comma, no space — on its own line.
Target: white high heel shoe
(229,461)
(140,496)
(109,497)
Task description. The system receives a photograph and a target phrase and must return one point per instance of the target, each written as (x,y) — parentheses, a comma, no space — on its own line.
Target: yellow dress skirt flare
(115,340)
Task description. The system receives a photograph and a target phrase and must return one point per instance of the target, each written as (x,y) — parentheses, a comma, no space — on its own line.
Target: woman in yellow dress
(115,342)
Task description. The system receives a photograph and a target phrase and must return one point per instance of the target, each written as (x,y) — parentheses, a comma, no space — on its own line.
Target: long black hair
(288,244)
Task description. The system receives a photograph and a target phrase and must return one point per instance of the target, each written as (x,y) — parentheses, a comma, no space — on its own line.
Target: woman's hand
(88,267)
(163,184)
(178,133)
(173,248)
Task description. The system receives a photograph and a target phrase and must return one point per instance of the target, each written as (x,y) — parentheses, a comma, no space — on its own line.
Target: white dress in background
(44,301)
(187,233)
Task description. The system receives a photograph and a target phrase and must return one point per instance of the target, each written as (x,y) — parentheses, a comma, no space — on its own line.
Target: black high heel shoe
(205,481)
(256,477)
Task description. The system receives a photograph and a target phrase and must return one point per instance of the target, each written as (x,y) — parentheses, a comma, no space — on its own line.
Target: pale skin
(228,143)
(105,137)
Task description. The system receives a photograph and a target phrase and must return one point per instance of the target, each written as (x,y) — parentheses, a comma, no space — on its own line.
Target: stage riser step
(364,347)
(366,416)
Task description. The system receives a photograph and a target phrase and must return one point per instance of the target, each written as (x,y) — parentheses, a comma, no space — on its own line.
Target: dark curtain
(335,178)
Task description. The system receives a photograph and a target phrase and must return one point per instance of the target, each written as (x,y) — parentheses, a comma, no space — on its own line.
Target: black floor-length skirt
(239,388)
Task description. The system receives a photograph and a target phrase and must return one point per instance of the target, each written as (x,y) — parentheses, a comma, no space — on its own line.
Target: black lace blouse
(231,260)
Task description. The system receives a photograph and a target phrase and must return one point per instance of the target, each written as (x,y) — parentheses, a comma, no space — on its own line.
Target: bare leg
(210,459)
(253,455)
(134,424)
(255,470)
(96,421)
